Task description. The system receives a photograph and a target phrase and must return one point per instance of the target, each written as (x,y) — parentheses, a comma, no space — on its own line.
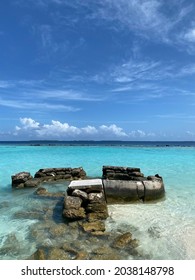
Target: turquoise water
(166,229)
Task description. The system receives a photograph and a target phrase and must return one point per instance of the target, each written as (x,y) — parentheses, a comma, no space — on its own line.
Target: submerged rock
(10,246)
(57,254)
(82,255)
(105,253)
(154,232)
(93,226)
(124,240)
(4,204)
(32,183)
(52,253)
(38,255)
(31,215)
(41,191)
(58,230)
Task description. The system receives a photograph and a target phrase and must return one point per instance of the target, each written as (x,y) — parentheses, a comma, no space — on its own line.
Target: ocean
(165,229)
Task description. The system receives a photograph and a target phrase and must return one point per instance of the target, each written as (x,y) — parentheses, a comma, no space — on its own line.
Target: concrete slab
(89,182)
(87,185)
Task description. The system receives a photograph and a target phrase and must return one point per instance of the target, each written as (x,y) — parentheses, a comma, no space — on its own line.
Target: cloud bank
(64,131)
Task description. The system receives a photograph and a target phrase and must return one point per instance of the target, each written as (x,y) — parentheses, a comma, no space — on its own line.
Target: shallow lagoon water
(165,229)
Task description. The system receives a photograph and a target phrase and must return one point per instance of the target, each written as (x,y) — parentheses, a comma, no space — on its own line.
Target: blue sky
(97,69)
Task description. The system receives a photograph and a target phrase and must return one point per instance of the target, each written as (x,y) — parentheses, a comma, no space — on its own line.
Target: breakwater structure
(87,198)
(130,184)
(118,183)
(84,207)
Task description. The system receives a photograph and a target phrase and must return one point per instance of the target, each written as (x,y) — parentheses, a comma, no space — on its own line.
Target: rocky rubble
(26,180)
(20,179)
(122,173)
(54,174)
(85,202)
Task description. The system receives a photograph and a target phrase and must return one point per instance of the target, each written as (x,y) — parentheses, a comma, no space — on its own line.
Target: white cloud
(187,70)
(190,35)
(132,73)
(133,14)
(141,134)
(137,133)
(17,128)
(113,130)
(28,123)
(143,80)
(150,19)
(90,130)
(59,94)
(34,106)
(59,130)
(147,70)
(186,38)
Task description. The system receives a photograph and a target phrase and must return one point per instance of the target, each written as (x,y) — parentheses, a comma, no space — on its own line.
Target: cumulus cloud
(113,129)
(59,130)
(90,130)
(141,134)
(28,123)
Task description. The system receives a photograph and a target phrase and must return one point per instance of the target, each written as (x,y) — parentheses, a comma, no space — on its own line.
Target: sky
(97,70)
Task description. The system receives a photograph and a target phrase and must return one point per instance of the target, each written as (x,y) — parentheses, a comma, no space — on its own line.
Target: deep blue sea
(165,229)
